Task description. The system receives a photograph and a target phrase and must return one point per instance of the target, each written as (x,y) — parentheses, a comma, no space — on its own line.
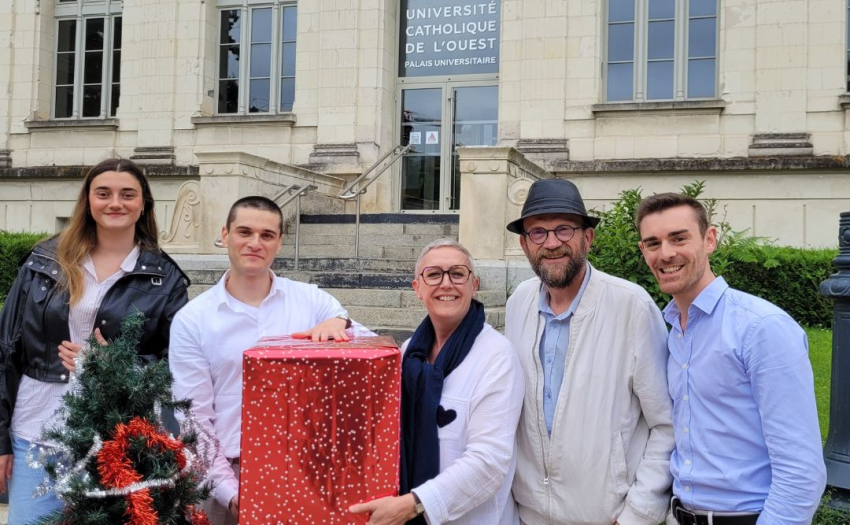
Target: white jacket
(609,452)
(477,449)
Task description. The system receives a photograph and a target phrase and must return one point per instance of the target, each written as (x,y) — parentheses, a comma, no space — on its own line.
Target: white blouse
(477,449)
(38,400)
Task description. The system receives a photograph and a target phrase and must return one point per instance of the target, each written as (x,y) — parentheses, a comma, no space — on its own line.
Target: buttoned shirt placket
(554,345)
(681,345)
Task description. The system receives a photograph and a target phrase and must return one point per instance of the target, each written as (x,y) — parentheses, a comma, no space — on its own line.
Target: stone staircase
(376,288)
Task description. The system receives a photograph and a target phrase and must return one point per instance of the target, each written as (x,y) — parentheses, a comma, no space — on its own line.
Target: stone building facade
(223,98)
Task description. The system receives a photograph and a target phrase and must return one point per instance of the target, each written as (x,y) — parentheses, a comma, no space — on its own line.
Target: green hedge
(790,279)
(13,247)
(787,277)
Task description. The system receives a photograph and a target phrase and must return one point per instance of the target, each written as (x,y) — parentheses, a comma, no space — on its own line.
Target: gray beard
(559,277)
(555,278)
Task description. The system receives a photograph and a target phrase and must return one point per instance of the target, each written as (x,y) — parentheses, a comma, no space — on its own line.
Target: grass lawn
(820,354)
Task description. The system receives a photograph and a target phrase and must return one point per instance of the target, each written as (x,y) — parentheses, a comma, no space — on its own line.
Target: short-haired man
(209,335)
(595,435)
(748,446)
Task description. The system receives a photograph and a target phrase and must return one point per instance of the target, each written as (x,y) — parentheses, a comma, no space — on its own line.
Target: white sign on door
(415,137)
(432,137)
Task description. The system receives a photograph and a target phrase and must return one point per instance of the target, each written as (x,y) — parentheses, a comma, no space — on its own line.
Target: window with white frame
(256,57)
(661,50)
(88,59)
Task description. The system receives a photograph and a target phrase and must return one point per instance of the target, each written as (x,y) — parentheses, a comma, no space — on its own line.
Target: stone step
(343,264)
(342,241)
(399,335)
(382,218)
(371,251)
(401,298)
(323,279)
(306,229)
(208,269)
(409,318)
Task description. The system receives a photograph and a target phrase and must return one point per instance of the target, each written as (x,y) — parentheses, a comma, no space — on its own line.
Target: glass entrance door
(421,126)
(430,173)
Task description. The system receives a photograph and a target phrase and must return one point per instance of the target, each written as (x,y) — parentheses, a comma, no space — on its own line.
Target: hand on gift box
(387,511)
(333,328)
(233,507)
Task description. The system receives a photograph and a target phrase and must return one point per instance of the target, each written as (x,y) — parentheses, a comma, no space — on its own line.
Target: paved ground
(4,511)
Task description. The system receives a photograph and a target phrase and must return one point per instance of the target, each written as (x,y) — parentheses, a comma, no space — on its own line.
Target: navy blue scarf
(421,389)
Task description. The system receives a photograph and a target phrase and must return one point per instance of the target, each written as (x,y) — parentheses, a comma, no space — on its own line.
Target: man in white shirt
(209,335)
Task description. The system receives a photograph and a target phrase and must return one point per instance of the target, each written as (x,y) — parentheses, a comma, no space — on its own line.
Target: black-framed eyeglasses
(563,233)
(433,275)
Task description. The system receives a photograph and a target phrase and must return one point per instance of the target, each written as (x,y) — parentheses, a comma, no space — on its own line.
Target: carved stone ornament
(186,222)
(518,191)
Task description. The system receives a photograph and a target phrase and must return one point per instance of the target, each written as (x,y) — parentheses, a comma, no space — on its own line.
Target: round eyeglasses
(563,233)
(433,275)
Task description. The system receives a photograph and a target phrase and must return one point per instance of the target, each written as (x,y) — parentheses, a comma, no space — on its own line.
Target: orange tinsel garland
(116,470)
(199,517)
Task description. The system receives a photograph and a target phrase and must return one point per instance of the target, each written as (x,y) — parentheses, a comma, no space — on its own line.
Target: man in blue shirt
(748,446)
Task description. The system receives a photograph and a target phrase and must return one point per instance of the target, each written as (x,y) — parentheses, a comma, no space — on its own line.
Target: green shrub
(787,277)
(615,246)
(13,247)
(792,283)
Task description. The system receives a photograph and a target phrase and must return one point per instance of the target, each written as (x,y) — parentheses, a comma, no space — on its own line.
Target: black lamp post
(837,451)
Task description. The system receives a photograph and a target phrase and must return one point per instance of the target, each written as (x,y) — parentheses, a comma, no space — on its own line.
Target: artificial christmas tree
(109,459)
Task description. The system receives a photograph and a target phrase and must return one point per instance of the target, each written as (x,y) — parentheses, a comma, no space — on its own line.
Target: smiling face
(555,262)
(447,302)
(253,239)
(115,201)
(677,253)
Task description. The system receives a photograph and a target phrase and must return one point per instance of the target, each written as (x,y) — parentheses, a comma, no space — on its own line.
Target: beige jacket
(608,456)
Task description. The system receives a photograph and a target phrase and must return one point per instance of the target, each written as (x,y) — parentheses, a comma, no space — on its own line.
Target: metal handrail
(286,189)
(348,192)
(353,191)
(301,193)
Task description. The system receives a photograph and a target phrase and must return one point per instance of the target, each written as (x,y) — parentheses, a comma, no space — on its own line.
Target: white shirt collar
(127,265)
(223,297)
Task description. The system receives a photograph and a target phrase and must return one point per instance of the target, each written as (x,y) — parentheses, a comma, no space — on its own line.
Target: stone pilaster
(781,66)
(493,186)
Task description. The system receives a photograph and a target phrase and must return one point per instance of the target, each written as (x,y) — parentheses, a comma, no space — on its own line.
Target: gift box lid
(287,347)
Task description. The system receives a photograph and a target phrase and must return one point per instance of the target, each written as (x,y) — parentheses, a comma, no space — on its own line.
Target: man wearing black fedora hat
(595,435)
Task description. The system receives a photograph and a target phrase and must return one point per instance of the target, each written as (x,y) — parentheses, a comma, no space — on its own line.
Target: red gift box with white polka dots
(320,429)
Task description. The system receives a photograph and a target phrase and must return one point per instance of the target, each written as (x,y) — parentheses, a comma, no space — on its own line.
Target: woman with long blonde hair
(106,264)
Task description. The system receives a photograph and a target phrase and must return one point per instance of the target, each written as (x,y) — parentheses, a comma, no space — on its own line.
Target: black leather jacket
(34,319)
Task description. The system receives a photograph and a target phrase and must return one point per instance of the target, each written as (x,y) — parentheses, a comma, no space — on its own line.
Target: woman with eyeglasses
(462,390)
(81,283)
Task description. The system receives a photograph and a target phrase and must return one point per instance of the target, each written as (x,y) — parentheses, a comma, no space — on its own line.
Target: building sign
(449,37)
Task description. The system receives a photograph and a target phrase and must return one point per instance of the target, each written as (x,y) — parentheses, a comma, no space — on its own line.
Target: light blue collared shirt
(553,347)
(744,413)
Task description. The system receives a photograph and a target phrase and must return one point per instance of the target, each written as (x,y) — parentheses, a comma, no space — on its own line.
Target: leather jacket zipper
(48,299)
